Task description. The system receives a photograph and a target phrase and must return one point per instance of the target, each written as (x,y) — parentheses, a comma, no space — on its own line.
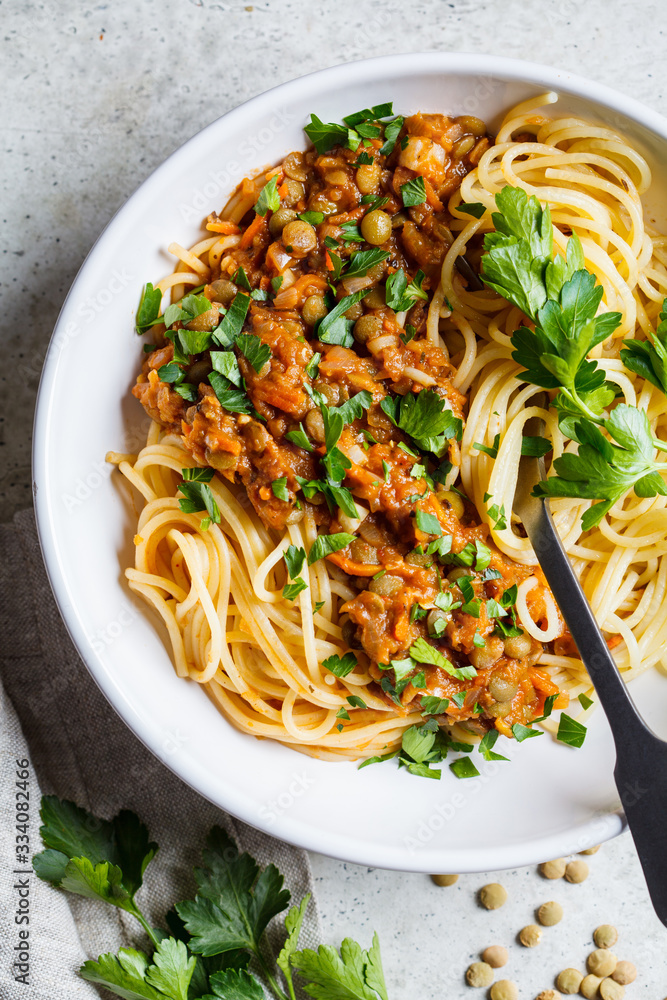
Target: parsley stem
(136,912)
(270,977)
(660,445)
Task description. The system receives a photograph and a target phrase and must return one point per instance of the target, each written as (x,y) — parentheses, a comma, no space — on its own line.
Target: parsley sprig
(616,451)
(217,945)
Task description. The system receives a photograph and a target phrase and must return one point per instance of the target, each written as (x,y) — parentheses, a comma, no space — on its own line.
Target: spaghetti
(334,670)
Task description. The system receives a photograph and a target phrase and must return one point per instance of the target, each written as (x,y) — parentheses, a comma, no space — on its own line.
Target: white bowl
(549,800)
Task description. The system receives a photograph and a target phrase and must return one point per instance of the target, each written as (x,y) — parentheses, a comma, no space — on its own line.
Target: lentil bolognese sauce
(308,397)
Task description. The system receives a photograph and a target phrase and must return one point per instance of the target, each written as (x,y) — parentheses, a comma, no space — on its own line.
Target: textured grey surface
(96,96)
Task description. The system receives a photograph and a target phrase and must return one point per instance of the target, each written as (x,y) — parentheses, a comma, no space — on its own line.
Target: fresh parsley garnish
(431,705)
(230,398)
(428,523)
(197,493)
(189,307)
(570,731)
(325,545)
(269,199)
(300,438)
(256,352)
(474,208)
(562,298)
(424,418)
(414,192)
(341,666)
(279,487)
(423,652)
(149,308)
(463,767)
(226,333)
(334,328)
(401,294)
(226,364)
(362,261)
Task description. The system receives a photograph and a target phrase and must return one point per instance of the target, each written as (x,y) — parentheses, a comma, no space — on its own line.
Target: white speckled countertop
(97,95)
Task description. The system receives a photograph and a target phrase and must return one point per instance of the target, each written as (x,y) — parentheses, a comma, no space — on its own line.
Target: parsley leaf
(341,666)
(292,590)
(314,218)
(229,397)
(521,732)
(269,199)
(585,701)
(424,418)
(334,328)
(293,924)
(300,438)
(570,731)
(130,974)
(492,452)
(606,471)
(487,744)
(401,295)
(414,192)
(103,859)
(234,984)
(391,133)
(535,445)
(235,901)
(431,705)
(474,208)
(464,768)
(326,135)
(149,308)
(226,364)
(354,407)
(324,545)
(423,652)
(254,350)
(294,559)
(355,974)
(197,495)
(228,330)
(428,523)
(279,487)
(362,261)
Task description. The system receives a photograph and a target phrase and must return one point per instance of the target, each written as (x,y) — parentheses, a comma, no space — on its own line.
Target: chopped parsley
(256,352)
(423,652)
(149,308)
(324,545)
(414,192)
(474,208)
(269,199)
(279,487)
(300,438)
(401,294)
(463,767)
(362,261)
(341,666)
(424,418)
(334,328)
(428,523)
(197,495)
(226,333)
(570,731)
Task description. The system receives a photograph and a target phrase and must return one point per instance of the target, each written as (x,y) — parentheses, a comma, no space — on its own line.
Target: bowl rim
(192,773)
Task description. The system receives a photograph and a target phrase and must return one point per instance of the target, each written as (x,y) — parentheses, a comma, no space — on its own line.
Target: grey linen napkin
(52,713)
